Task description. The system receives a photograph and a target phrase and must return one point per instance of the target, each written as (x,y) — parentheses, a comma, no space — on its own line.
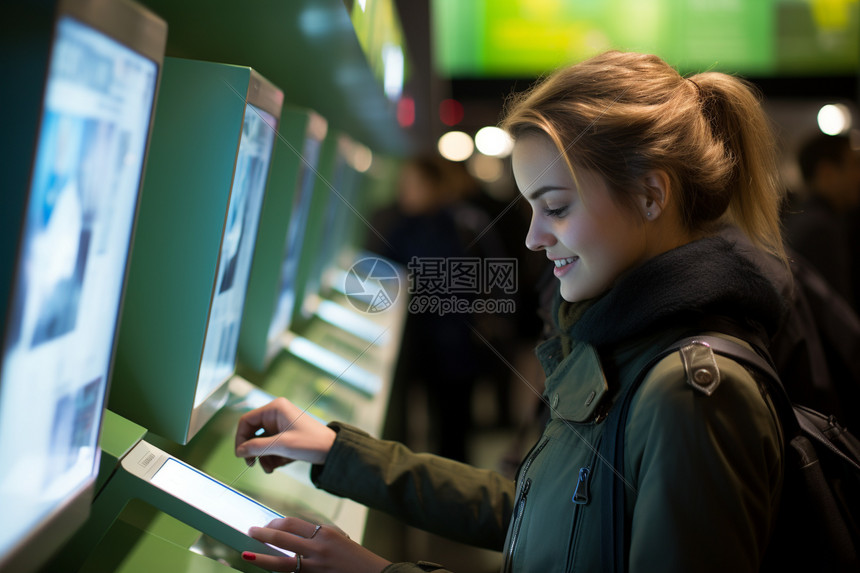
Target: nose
(539,237)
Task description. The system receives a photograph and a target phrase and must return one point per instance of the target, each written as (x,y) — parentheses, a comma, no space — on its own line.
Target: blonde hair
(624,114)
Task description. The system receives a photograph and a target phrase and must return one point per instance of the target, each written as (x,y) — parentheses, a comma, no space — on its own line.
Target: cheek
(582,234)
(609,244)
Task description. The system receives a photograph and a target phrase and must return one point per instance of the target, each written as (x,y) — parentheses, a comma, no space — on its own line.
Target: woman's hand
(323,549)
(288,434)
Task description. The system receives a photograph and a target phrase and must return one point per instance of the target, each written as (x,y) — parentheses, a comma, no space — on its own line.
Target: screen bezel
(143,32)
(144,461)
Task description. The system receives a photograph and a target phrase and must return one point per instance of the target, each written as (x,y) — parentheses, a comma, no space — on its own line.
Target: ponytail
(733,110)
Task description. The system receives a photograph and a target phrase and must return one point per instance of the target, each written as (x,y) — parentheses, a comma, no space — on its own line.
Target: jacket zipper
(580,494)
(521,505)
(581,497)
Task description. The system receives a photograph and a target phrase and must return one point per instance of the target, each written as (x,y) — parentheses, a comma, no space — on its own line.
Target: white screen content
(237,252)
(214,498)
(295,231)
(68,282)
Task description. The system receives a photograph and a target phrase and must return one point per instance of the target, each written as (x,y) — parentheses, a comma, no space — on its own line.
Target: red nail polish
(248,556)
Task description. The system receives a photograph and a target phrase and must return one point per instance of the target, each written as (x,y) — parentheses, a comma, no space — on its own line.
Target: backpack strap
(757,360)
(794,419)
(614,532)
(822,462)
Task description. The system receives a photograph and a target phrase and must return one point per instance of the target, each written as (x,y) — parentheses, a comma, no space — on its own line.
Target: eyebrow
(537,193)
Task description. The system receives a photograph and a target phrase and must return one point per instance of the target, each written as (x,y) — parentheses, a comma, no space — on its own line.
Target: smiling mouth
(563,262)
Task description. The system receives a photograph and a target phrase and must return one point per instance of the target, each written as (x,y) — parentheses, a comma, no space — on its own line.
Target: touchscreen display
(337,205)
(237,252)
(295,230)
(79,218)
(213,497)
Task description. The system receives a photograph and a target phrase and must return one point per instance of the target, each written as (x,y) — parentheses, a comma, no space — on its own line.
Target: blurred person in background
(442,355)
(818,226)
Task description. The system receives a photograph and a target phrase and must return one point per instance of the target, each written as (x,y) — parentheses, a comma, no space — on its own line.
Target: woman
(631,172)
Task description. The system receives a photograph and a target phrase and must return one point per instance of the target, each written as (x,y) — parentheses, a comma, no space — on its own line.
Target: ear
(656,189)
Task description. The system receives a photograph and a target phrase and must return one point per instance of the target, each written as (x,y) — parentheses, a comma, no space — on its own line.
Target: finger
(294,525)
(271,463)
(248,424)
(334,527)
(266,416)
(255,447)
(270,562)
(283,539)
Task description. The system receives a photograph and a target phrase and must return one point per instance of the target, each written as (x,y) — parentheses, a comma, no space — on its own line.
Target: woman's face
(590,238)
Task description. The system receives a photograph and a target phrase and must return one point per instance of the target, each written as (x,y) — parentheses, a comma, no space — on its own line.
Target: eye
(557,213)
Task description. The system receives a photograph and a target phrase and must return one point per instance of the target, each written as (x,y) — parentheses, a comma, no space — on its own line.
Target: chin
(571,293)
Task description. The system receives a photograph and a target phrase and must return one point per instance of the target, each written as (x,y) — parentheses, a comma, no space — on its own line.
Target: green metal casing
(118,437)
(181,222)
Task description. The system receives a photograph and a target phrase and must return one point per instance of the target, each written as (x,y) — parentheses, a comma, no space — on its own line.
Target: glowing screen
(68,283)
(295,231)
(213,497)
(237,251)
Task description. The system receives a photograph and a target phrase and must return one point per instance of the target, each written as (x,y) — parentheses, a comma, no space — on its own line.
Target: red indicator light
(406,111)
(450,112)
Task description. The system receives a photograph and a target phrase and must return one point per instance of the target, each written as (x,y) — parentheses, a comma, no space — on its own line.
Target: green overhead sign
(519,38)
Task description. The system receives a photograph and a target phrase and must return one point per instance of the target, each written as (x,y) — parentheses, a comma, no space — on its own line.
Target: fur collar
(684,286)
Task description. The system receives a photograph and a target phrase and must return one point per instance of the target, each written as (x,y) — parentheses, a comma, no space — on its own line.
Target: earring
(648,214)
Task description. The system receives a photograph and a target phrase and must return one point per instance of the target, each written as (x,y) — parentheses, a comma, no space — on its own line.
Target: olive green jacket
(703,472)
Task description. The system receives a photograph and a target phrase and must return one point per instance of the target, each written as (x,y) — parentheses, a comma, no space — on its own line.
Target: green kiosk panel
(212,143)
